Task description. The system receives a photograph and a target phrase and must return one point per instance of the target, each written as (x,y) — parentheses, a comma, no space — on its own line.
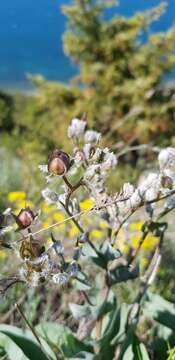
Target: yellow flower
(104,225)
(150,242)
(46,208)
(86,204)
(58,217)
(46,223)
(98,234)
(135,240)
(16,196)
(23,203)
(136,226)
(73,231)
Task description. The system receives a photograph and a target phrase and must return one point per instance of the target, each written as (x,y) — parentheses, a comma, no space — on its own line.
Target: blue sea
(31,38)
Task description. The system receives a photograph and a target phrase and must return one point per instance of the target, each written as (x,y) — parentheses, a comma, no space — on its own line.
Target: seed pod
(167,182)
(58,162)
(25,218)
(31,249)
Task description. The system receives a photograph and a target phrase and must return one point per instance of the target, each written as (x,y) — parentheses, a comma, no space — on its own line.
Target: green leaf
(52,333)
(100,307)
(109,252)
(123,313)
(79,311)
(160,310)
(26,342)
(85,355)
(122,273)
(139,350)
(132,348)
(71,346)
(61,337)
(115,327)
(11,349)
(102,255)
(136,351)
(81,282)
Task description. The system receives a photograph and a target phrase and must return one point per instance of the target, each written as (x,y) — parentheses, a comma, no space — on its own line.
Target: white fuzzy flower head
(60,278)
(166,158)
(78,158)
(77,128)
(150,187)
(50,196)
(128,190)
(134,201)
(91,171)
(87,150)
(109,161)
(97,155)
(92,136)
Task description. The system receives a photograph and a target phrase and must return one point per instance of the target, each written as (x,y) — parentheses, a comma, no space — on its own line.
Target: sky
(31,37)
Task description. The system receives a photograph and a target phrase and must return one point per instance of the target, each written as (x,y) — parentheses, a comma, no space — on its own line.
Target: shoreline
(25,91)
(27,88)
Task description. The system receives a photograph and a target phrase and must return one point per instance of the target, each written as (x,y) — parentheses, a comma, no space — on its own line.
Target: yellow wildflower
(46,208)
(58,217)
(148,244)
(46,223)
(86,204)
(16,196)
(74,231)
(104,225)
(98,234)
(136,226)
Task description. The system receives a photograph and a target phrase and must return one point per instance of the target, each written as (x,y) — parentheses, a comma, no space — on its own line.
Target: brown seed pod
(58,162)
(167,182)
(31,249)
(25,218)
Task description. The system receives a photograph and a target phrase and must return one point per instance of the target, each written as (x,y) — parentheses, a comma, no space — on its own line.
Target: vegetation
(103,325)
(87,264)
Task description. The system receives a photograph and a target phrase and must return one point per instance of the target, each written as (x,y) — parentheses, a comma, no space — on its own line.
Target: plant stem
(32,329)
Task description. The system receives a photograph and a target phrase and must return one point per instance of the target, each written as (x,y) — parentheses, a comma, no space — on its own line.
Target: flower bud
(25,218)
(58,162)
